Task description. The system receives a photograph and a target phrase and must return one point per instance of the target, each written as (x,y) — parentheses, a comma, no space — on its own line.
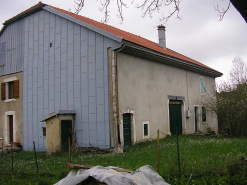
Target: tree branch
(223,11)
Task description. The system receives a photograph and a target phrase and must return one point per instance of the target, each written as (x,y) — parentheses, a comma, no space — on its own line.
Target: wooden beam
(78,166)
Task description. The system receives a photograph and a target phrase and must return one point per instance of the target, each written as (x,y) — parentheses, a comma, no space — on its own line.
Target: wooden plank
(78,166)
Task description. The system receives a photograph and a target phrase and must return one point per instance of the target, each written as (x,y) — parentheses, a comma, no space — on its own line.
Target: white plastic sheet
(144,175)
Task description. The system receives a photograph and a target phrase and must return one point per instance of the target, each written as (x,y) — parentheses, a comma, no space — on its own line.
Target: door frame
(182,100)
(133,126)
(6,127)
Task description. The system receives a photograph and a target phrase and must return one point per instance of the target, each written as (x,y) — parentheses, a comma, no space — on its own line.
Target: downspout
(117,97)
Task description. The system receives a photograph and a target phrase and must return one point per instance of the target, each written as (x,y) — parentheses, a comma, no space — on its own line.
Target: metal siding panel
(100,113)
(57,70)
(52,20)
(92,106)
(92,125)
(92,88)
(84,81)
(91,54)
(84,64)
(63,91)
(57,85)
(57,56)
(63,60)
(64,45)
(77,90)
(99,78)
(70,100)
(85,131)
(84,48)
(93,138)
(70,67)
(57,40)
(70,83)
(100,96)
(57,101)
(70,52)
(84,115)
(84,97)
(101,132)
(70,36)
(99,61)
(91,71)
(77,42)
(77,74)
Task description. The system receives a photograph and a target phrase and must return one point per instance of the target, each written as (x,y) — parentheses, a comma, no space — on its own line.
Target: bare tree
(148,7)
(230,102)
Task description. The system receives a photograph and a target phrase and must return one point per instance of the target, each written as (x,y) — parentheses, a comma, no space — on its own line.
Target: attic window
(2,53)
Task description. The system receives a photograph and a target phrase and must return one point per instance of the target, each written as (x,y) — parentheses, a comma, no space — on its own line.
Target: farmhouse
(65,75)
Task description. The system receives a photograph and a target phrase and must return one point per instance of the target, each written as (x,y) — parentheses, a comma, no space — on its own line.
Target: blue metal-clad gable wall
(65,68)
(13,35)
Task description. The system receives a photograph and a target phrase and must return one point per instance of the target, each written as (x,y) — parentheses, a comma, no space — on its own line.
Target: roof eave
(18,17)
(168,60)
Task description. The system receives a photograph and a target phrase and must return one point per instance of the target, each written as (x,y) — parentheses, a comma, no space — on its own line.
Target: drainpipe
(117,97)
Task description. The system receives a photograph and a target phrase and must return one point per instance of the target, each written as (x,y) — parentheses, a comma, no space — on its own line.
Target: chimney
(162,36)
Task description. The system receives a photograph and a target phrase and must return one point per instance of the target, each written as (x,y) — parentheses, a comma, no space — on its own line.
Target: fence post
(178,151)
(2,148)
(69,152)
(36,158)
(158,151)
(12,159)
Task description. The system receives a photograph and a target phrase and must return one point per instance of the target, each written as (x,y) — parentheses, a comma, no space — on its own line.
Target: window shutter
(3,91)
(16,89)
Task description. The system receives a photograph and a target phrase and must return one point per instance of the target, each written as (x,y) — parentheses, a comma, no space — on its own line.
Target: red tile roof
(123,34)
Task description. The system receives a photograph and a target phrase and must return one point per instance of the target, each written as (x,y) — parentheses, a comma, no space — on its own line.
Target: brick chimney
(162,36)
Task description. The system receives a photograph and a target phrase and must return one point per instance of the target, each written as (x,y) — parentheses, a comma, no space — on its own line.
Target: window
(202,85)
(146,129)
(10,89)
(204,114)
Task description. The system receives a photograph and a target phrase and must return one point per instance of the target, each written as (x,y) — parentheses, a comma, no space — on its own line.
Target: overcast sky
(198,35)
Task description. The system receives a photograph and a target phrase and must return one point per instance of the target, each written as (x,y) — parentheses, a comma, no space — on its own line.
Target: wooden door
(66,134)
(127,130)
(175,118)
(11,129)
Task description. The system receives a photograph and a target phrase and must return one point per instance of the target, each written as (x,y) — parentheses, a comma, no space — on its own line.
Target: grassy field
(214,159)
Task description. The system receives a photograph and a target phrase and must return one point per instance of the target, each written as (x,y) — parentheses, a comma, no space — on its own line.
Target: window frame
(202,90)
(148,125)
(7,93)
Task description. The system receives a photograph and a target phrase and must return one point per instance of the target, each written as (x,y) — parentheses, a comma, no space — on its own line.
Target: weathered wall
(144,86)
(65,68)
(15,106)
(53,134)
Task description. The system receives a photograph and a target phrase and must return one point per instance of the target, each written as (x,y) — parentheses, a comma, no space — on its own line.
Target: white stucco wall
(144,86)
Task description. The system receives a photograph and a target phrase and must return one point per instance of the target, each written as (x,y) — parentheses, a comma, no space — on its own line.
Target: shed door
(127,130)
(66,134)
(175,118)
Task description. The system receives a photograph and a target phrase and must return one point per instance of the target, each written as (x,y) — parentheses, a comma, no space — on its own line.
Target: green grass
(214,158)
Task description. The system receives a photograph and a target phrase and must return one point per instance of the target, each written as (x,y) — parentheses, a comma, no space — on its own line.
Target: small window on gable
(146,129)
(202,85)
(11,90)
(204,114)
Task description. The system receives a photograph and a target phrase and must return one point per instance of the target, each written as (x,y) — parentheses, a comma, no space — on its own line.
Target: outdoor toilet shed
(58,130)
